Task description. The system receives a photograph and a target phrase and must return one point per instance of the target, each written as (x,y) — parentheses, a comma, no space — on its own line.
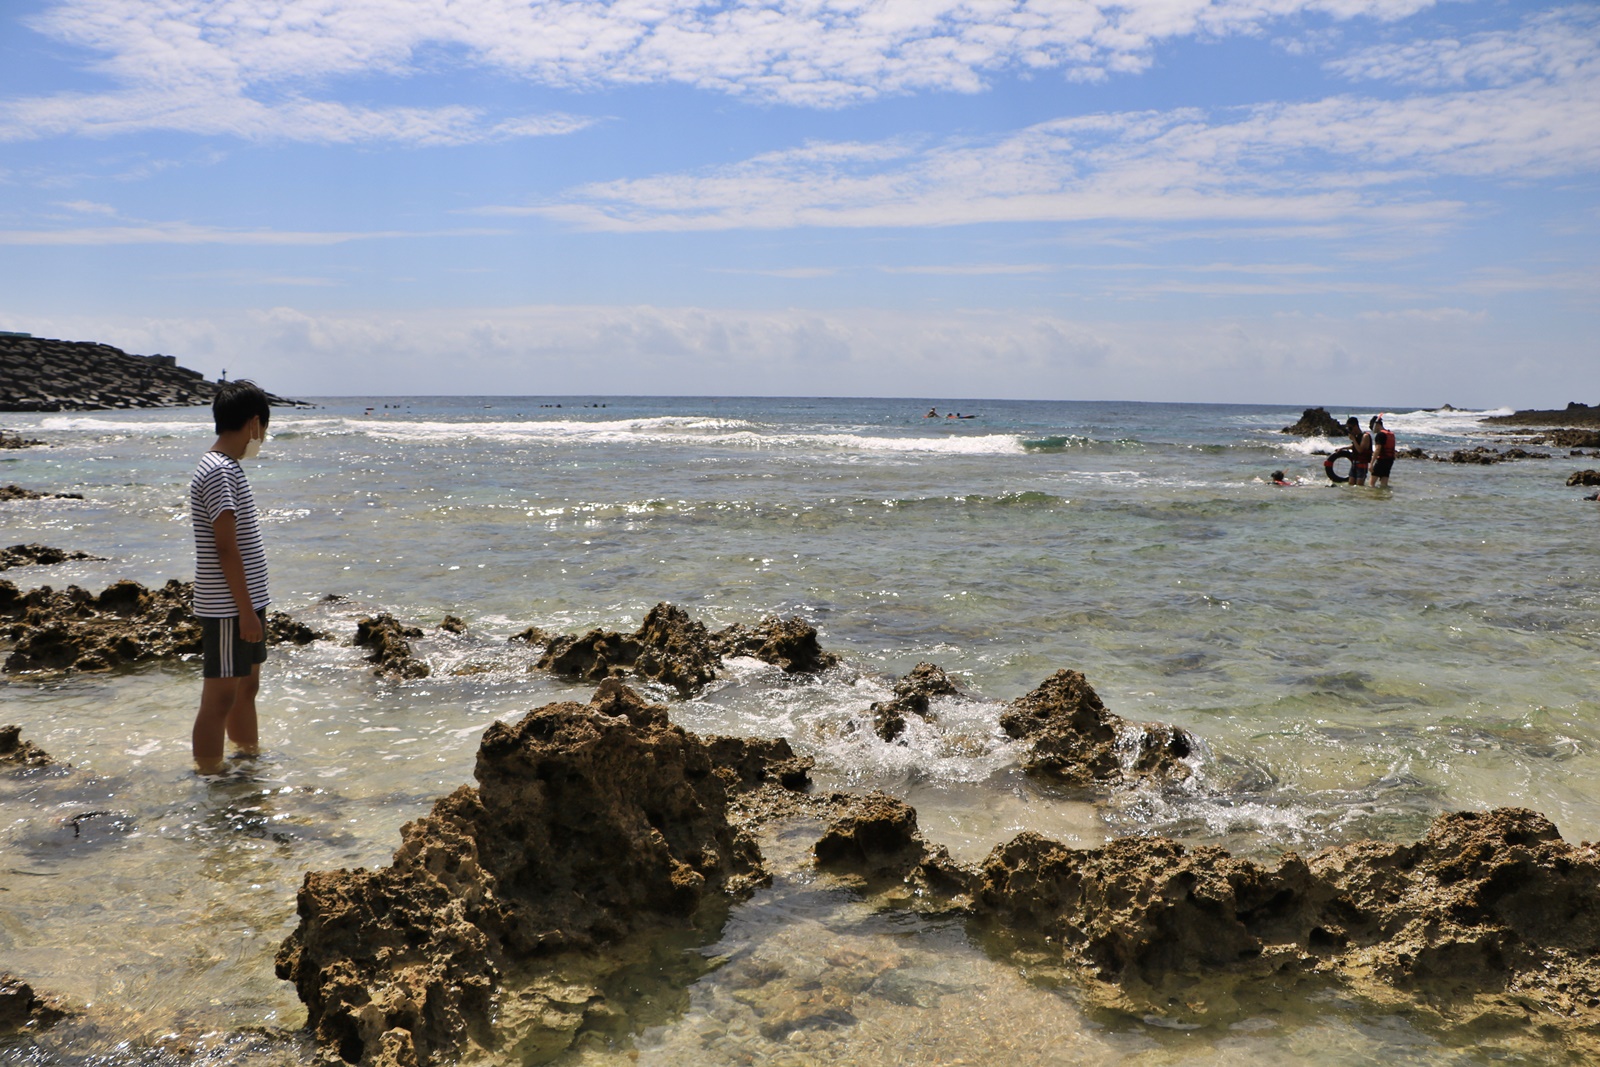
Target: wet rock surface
(1316,422)
(1486,456)
(589,822)
(16,440)
(1076,741)
(912,695)
(1490,921)
(875,837)
(673,649)
(17,492)
(391,649)
(15,753)
(122,625)
(23,1009)
(75,629)
(1584,477)
(38,555)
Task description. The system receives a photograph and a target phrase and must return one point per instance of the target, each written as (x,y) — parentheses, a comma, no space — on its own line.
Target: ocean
(1354,661)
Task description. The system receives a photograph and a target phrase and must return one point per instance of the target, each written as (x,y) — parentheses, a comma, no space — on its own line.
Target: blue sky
(1379,202)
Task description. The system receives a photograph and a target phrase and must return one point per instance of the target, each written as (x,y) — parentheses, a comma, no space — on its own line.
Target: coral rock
(1076,741)
(15,752)
(390,649)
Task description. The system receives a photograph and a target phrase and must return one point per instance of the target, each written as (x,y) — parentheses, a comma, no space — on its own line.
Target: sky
(1388,203)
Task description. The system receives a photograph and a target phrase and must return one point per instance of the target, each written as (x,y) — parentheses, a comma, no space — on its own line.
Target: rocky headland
(1316,422)
(41,374)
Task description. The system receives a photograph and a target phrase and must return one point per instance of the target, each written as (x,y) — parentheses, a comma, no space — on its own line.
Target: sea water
(1355,661)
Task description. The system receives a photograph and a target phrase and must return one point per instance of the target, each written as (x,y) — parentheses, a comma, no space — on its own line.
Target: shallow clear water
(1355,661)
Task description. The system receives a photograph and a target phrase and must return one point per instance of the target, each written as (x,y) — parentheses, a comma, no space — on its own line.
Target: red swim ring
(1343,453)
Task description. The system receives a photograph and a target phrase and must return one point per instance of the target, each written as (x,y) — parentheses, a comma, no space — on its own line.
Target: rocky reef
(588,821)
(1077,742)
(673,649)
(38,555)
(22,1009)
(16,440)
(122,625)
(391,649)
(17,492)
(1485,456)
(1574,414)
(18,754)
(1584,477)
(1488,925)
(1316,422)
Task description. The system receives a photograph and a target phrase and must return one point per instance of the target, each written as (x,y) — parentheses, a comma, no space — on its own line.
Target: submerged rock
(17,753)
(283,628)
(22,1009)
(1490,920)
(390,649)
(673,649)
(1316,422)
(911,696)
(41,555)
(1076,741)
(589,822)
(17,492)
(1485,456)
(16,440)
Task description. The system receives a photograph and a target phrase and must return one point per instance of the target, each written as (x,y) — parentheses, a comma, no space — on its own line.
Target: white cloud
(183,233)
(251,68)
(1556,45)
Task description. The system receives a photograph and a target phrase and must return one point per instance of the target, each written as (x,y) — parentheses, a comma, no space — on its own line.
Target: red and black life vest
(1385,444)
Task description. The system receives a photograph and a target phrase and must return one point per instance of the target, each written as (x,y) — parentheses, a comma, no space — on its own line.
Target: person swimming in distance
(1278,479)
(933,413)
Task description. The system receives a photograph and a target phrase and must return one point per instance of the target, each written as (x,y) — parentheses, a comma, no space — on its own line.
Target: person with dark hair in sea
(230,581)
(1384,440)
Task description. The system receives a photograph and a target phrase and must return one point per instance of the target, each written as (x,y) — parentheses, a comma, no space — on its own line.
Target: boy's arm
(226,535)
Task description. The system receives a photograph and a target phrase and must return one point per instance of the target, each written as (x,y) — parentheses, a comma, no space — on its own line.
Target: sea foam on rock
(589,822)
(1076,741)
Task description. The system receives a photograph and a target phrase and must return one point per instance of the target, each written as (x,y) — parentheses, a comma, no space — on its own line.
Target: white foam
(201,424)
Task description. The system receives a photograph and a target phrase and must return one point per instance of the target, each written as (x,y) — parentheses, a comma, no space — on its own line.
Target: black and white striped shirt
(219,485)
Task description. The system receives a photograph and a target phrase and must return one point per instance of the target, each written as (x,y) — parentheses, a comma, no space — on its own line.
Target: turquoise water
(1356,661)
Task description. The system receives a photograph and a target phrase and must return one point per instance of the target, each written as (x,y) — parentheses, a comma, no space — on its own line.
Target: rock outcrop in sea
(17,492)
(673,649)
(16,753)
(16,440)
(391,649)
(1076,741)
(1316,422)
(1574,414)
(22,1009)
(594,823)
(122,625)
(912,695)
(1584,477)
(588,821)
(1485,456)
(38,555)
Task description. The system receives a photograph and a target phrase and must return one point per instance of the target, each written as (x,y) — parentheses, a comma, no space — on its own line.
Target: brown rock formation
(1490,921)
(390,649)
(673,649)
(22,1009)
(588,822)
(1485,456)
(875,838)
(1316,422)
(1574,414)
(791,644)
(16,440)
(453,625)
(911,696)
(42,555)
(1586,477)
(1076,741)
(122,625)
(78,630)
(16,753)
(17,492)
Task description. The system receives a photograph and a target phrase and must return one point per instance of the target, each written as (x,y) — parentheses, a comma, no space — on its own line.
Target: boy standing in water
(230,581)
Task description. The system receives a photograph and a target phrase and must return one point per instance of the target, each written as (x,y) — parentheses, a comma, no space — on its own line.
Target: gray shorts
(225,655)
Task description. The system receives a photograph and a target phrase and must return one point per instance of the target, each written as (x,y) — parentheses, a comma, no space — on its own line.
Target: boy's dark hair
(236,402)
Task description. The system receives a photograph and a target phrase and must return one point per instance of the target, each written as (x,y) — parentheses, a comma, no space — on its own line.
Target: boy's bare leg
(242,715)
(210,723)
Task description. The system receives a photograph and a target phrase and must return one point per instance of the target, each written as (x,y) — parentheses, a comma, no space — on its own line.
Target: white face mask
(252,447)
